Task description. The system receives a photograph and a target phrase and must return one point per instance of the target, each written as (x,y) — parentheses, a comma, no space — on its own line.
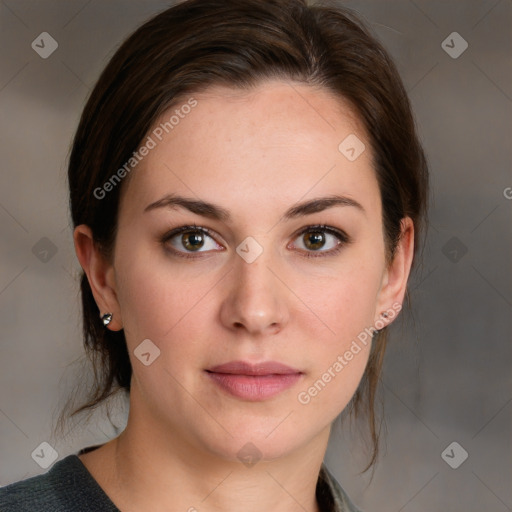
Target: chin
(254,440)
(251,451)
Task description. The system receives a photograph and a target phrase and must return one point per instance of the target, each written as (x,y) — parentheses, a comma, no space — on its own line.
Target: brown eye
(314,240)
(321,240)
(192,240)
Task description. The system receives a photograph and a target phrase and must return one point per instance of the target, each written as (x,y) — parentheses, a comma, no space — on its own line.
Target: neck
(148,469)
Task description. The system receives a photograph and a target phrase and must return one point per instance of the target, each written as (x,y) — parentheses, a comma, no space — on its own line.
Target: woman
(248,192)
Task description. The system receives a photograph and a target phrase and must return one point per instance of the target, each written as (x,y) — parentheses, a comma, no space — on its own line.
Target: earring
(384,314)
(106,318)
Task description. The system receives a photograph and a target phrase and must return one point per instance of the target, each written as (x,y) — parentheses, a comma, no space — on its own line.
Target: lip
(245,368)
(254,382)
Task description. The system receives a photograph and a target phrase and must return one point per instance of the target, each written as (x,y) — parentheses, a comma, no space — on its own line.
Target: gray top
(69,487)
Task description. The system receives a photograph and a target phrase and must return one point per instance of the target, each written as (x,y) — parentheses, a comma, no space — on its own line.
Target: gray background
(447,375)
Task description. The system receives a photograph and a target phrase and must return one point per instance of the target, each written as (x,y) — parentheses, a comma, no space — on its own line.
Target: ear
(100,274)
(396,275)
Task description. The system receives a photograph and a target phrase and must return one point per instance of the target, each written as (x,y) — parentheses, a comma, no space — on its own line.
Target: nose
(255,299)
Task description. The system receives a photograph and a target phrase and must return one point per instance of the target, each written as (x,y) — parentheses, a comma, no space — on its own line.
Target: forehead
(279,138)
(282,111)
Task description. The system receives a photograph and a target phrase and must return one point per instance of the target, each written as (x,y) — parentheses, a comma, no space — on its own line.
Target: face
(241,265)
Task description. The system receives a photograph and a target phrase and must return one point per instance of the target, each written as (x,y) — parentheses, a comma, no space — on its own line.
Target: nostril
(275,327)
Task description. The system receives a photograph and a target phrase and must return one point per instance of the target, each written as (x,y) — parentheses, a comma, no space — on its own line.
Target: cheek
(345,304)
(156,299)
(340,354)
(170,310)
(329,390)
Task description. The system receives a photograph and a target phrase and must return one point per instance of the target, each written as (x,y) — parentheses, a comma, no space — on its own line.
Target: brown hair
(198,43)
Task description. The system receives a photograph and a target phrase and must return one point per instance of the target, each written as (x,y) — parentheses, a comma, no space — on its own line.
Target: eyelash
(343,238)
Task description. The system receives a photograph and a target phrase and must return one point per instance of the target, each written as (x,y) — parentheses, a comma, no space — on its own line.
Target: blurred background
(447,380)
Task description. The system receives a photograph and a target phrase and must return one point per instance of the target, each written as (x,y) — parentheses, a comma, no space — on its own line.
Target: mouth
(254,382)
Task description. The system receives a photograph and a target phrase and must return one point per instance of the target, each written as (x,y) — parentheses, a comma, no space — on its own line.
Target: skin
(255,154)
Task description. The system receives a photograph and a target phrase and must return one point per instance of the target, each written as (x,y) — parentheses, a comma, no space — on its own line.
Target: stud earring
(106,318)
(384,314)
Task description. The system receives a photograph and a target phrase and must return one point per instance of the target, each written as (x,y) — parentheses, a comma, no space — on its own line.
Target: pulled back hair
(199,43)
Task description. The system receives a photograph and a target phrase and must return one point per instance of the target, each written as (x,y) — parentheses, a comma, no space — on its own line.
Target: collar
(330,495)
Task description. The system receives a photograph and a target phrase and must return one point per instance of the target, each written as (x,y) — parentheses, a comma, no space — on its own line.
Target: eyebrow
(216,212)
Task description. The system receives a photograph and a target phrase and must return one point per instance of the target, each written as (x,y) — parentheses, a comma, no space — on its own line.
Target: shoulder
(336,497)
(42,492)
(66,487)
